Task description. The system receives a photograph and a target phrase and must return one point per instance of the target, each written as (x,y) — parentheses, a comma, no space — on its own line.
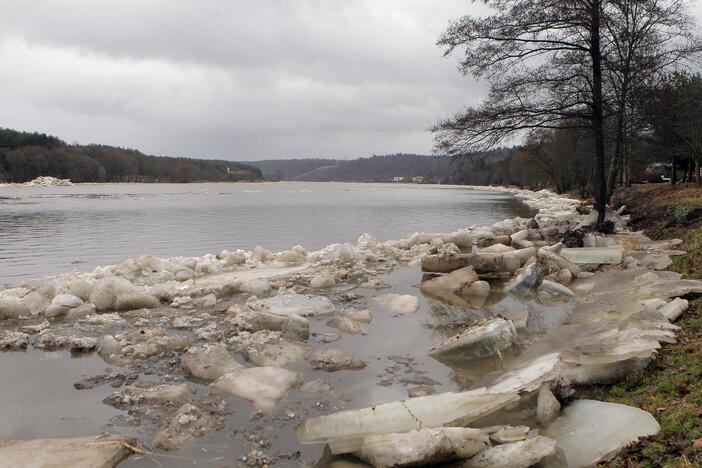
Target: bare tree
(543,60)
(644,39)
(550,65)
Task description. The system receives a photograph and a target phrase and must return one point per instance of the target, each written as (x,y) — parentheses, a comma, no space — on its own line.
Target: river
(50,230)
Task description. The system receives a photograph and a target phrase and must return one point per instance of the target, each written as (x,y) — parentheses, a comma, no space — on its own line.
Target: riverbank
(671,387)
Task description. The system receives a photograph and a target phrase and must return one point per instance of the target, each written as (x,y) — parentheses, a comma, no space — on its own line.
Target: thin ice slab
(593,255)
(591,431)
(347,429)
(76,452)
(483,339)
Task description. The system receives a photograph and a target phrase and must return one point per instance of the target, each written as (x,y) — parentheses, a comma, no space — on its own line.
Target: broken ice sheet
(349,427)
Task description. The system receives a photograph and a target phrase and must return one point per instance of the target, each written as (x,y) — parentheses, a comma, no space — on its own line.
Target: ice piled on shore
(149,282)
(48,181)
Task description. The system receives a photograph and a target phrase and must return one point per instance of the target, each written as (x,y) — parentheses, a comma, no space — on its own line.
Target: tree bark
(597,118)
(672,172)
(615,168)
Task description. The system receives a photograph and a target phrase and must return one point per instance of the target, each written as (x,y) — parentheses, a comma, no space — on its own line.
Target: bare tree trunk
(616,164)
(672,172)
(698,171)
(597,119)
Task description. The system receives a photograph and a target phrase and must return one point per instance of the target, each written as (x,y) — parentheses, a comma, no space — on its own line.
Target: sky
(233,79)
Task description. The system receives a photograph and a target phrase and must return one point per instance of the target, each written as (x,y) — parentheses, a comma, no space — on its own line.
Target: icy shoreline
(265,306)
(149,271)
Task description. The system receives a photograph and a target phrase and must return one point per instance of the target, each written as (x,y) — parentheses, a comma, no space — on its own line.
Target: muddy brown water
(37,398)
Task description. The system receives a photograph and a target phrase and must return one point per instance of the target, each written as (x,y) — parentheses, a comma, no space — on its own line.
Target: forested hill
(25,156)
(373,169)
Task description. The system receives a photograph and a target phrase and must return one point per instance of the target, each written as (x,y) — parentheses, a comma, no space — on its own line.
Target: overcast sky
(232,79)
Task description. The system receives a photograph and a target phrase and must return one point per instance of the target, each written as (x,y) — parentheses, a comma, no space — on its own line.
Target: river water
(50,230)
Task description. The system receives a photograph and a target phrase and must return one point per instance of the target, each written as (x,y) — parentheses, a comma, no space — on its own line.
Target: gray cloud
(244,79)
(241,79)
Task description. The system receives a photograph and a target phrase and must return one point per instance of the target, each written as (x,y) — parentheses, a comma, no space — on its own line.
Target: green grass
(682,211)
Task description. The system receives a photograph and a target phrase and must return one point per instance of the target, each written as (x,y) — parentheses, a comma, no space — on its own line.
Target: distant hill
(373,169)
(290,169)
(27,155)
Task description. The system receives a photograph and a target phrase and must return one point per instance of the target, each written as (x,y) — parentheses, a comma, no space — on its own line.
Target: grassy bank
(671,387)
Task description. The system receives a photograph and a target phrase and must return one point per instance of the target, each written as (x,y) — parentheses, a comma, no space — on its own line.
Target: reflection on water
(38,398)
(48,230)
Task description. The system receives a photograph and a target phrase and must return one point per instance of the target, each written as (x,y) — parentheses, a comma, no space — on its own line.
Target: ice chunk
(526,280)
(256,287)
(453,281)
(497,248)
(555,262)
(481,262)
(345,325)
(295,327)
(333,360)
(232,258)
(108,346)
(188,423)
(297,304)
(347,428)
(76,452)
(80,312)
(205,302)
(479,288)
(263,386)
(338,254)
(547,406)
(422,447)
(585,255)
(105,292)
(208,362)
(48,181)
(61,304)
(296,256)
(279,354)
(480,340)
(674,308)
(529,376)
(552,290)
(261,255)
(516,455)
(135,301)
(158,395)
(399,304)
(12,307)
(591,431)
(322,280)
(365,315)
(509,434)
(13,340)
(254,320)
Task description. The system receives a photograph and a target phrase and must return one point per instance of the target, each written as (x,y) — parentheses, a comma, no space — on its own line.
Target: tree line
(372,169)
(587,83)
(27,155)
(663,143)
